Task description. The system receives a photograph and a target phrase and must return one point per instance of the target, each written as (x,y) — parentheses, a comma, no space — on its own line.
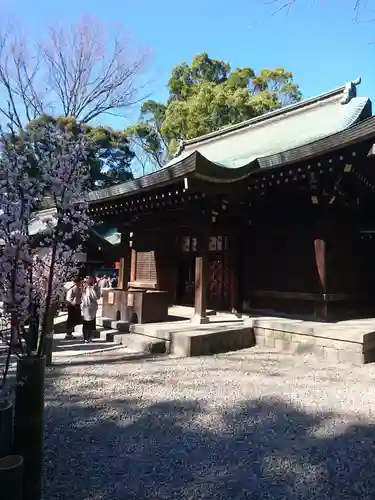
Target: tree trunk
(51,314)
(33,328)
(6,428)
(11,468)
(29,423)
(48,347)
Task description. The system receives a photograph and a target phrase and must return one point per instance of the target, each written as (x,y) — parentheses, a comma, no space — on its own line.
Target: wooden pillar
(201,281)
(124,263)
(123,273)
(133,265)
(320,310)
(234,259)
(320,259)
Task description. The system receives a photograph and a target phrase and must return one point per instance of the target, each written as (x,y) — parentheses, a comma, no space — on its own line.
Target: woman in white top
(89,304)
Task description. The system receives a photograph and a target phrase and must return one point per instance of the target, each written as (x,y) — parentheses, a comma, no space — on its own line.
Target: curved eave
(161,177)
(212,172)
(198,166)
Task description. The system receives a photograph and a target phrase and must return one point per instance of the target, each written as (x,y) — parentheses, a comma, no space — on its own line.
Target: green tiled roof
(282,136)
(280,130)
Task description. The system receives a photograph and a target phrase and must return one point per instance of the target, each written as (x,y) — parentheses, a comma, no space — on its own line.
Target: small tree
(109,155)
(31,281)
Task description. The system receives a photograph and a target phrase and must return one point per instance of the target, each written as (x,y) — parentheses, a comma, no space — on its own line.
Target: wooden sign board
(111,298)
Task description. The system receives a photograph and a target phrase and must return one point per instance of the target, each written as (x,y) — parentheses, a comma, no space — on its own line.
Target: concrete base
(332,342)
(213,341)
(183,338)
(347,341)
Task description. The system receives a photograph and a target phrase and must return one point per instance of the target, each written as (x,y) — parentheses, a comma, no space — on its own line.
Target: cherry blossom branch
(30,281)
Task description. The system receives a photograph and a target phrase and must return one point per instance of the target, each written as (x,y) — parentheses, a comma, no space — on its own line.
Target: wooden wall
(283,271)
(276,256)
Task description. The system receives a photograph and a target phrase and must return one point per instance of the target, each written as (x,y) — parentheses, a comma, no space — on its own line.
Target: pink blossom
(26,274)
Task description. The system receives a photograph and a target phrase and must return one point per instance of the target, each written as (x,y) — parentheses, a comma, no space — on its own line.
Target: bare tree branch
(91,73)
(83,71)
(147,159)
(18,79)
(286,5)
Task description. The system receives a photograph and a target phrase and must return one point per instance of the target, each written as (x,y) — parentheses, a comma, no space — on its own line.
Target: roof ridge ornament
(180,148)
(350,91)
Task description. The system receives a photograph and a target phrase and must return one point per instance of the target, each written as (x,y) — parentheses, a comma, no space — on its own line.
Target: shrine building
(275,215)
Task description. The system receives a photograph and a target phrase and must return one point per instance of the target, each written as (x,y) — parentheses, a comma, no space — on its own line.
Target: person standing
(89,309)
(103,283)
(114,281)
(73,300)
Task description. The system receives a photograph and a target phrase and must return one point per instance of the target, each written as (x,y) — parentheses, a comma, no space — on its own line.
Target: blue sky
(318,40)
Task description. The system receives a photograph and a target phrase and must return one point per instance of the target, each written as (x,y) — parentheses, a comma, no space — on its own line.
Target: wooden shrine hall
(275,214)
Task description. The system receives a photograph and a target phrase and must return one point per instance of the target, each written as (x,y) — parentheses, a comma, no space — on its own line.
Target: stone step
(138,343)
(121,326)
(108,334)
(141,343)
(160,332)
(104,321)
(95,334)
(118,331)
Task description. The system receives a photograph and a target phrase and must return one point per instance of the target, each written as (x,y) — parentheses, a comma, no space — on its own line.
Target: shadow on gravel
(86,360)
(264,449)
(66,346)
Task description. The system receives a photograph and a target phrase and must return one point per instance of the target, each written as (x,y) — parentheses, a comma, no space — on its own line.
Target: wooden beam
(133,265)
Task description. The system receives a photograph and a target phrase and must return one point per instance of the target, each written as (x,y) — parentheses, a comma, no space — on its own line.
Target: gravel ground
(251,424)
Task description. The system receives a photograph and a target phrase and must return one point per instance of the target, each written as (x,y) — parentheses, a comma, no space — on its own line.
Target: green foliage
(205,97)
(146,137)
(109,155)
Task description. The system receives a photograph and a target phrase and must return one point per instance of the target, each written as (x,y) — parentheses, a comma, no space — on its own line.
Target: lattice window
(217,243)
(185,244)
(188,244)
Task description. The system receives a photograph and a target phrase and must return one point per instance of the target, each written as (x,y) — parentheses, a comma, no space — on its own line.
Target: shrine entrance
(218,269)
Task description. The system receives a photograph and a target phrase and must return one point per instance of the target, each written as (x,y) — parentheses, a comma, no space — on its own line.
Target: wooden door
(186,280)
(218,294)
(186,270)
(218,279)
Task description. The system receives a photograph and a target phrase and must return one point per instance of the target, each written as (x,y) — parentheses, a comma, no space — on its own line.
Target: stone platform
(351,341)
(185,339)
(346,341)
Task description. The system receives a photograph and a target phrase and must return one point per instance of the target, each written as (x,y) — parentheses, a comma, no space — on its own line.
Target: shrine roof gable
(281,130)
(294,133)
